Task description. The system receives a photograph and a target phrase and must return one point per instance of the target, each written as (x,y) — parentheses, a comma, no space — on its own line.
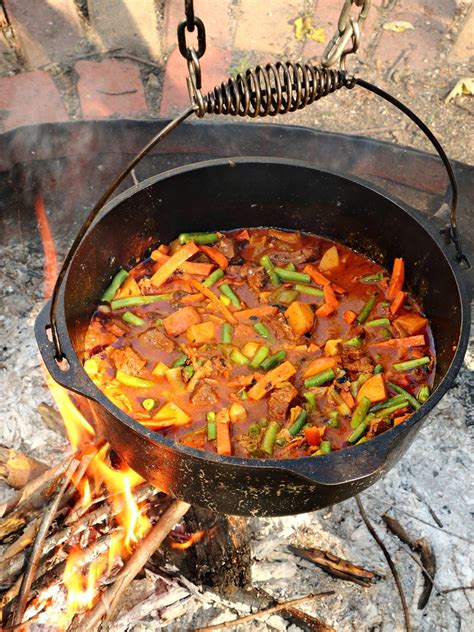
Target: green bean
(354,342)
(213,277)
(372,278)
(148,404)
(116,283)
(411,364)
(227,331)
(378,322)
(238,357)
(269,268)
(131,319)
(333,420)
(365,311)
(298,424)
(386,412)
(320,378)
(360,412)
(295,277)
(264,422)
(131,301)
(325,447)
(198,238)
(132,380)
(227,291)
(358,433)
(423,394)
(398,399)
(211,426)
(259,357)
(307,289)
(254,430)
(378,368)
(283,296)
(188,371)
(311,400)
(363,377)
(268,442)
(273,361)
(290,266)
(262,330)
(180,361)
(408,396)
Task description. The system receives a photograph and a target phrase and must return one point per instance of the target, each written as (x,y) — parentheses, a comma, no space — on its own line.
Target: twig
(116,94)
(140,556)
(449,590)
(140,60)
(263,613)
(38,544)
(387,556)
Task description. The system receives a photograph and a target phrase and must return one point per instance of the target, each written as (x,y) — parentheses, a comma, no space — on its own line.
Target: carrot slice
(192,298)
(177,322)
(401,343)
(264,310)
(243,235)
(223,443)
(320,279)
(348,399)
(350,316)
(411,323)
(319,365)
(397,302)
(398,420)
(216,256)
(312,435)
(173,263)
(374,389)
(191,267)
(164,249)
(329,296)
(397,278)
(215,300)
(325,310)
(268,381)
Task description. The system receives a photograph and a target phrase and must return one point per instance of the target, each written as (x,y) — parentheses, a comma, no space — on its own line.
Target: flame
(194,537)
(51,267)
(81,586)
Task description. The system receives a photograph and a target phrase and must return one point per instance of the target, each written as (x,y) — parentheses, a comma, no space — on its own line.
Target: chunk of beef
(241,330)
(255,275)
(279,401)
(127,360)
(204,395)
(377,426)
(280,327)
(356,360)
(157,339)
(227,247)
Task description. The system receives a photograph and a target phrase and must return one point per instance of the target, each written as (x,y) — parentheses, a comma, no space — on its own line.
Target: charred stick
(336,566)
(299,618)
(396,576)
(263,613)
(35,554)
(140,556)
(18,469)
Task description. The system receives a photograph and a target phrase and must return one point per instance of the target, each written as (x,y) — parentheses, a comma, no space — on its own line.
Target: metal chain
(347,38)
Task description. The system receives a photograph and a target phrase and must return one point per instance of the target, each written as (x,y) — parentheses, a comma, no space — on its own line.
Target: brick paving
(76,48)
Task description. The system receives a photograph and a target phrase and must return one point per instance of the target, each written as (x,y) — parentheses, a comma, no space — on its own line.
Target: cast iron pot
(238,193)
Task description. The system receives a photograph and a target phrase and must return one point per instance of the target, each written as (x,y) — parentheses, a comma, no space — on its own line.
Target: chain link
(189,24)
(347,39)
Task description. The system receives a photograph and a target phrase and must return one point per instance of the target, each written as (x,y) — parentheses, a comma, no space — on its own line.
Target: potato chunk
(330,259)
(300,317)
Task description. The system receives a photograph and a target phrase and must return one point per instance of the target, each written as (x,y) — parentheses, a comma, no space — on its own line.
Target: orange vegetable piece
(268,381)
(243,235)
(215,300)
(173,263)
(312,435)
(300,316)
(411,323)
(397,303)
(350,316)
(192,298)
(401,343)
(325,310)
(216,256)
(399,420)
(397,279)
(329,296)
(374,389)
(201,333)
(223,443)
(129,288)
(260,312)
(190,267)
(319,365)
(316,275)
(177,322)
(348,399)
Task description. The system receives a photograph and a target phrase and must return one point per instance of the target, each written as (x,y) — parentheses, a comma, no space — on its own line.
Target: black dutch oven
(240,193)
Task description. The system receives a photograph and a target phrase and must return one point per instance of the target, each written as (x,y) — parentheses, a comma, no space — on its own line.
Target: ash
(433,479)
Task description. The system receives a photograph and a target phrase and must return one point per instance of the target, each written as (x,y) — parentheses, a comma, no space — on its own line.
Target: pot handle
(70,373)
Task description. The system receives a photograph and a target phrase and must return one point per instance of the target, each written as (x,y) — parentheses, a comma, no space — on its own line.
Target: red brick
(46,31)
(128,24)
(215,69)
(30,98)
(110,87)
(215,15)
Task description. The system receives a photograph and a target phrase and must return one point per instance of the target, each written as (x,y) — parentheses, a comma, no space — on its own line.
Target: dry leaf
(305,29)
(398,26)
(463,86)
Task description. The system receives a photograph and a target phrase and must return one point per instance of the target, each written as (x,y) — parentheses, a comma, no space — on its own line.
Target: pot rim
(380,443)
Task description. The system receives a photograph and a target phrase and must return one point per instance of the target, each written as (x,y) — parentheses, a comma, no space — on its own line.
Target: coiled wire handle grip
(264,91)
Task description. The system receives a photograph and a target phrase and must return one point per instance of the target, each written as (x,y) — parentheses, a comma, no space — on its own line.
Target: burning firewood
(336,566)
